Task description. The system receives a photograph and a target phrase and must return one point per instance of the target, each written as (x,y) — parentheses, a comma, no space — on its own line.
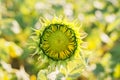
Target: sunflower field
(59,39)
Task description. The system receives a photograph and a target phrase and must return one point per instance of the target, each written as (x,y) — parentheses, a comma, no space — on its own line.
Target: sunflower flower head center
(58,41)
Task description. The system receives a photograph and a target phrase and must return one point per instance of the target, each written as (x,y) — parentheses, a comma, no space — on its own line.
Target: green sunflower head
(58,43)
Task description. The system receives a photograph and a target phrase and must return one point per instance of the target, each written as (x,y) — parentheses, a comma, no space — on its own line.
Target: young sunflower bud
(60,45)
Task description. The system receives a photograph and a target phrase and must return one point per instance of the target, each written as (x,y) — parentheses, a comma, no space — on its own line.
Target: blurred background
(100,20)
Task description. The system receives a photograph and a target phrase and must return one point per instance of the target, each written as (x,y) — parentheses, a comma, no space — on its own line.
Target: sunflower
(58,43)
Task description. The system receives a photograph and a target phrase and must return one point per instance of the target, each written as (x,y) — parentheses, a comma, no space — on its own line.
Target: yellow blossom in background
(117,71)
